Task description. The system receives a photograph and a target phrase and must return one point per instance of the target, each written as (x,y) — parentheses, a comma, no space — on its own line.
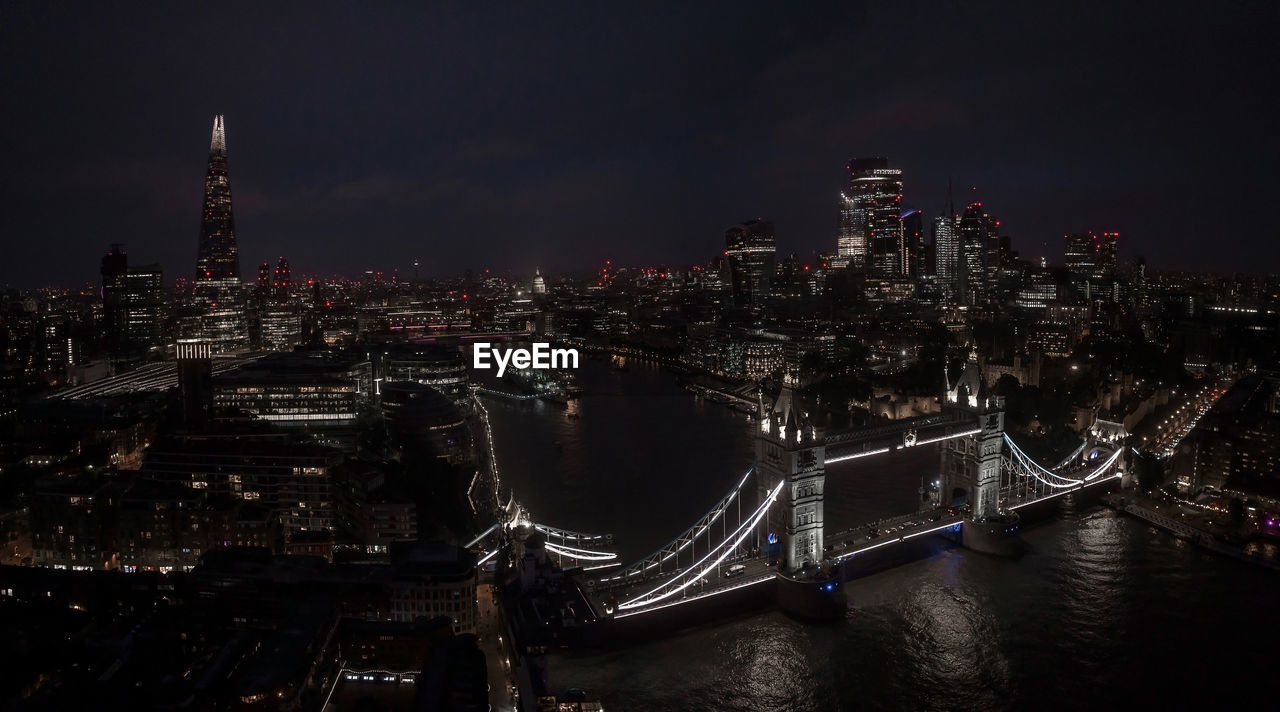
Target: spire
(218,144)
(951,204)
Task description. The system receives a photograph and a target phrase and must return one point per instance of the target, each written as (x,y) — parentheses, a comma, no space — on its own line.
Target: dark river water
(1103,612)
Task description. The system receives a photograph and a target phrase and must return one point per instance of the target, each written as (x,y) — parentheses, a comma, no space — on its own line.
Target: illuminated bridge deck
(845,545)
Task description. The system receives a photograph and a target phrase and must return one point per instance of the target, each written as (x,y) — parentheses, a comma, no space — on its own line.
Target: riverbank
(1203,538)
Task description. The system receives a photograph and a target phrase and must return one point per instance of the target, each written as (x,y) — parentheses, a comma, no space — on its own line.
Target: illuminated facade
(297,389)
(946,245)
(788,448)
(288,478)
(752,252)
(219,257)
(441,367)
(978,259)
(219,296)
(870,234)
(1091,261)
(132,303)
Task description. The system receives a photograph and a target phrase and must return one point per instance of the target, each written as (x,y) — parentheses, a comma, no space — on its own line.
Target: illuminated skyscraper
(132,304)
(283,281)
(946,248)
(1091,259)
(752,252)
(913,241)
(870,233)
(979,253)
(218,258)
(220,318)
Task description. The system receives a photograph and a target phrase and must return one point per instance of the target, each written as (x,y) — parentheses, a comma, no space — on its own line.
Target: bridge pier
(972,466)
(789,450)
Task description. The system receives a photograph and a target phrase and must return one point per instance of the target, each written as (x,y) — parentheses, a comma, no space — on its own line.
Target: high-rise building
(283,281)
(946,246)
(219,258)
(979,239)
(870,233)
(913,239)
(132,303)
(264,281)
(752,251)
(946,249)
(220,318)
(1091,260)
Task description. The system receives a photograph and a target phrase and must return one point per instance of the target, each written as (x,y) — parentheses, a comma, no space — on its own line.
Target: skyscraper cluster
(877,237)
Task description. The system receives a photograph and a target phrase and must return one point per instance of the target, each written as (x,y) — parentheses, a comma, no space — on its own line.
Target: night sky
(558,135)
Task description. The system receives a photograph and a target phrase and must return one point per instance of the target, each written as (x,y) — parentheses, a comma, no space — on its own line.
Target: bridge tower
(971,465)
(787,446)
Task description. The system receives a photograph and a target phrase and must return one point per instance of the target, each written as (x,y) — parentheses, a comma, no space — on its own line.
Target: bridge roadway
(844,544)
(850,444)
(758,568)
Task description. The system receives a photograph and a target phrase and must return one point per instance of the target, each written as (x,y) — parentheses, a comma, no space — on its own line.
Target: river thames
(1103,611)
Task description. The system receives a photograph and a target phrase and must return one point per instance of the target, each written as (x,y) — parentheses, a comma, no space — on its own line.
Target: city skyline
(344,171)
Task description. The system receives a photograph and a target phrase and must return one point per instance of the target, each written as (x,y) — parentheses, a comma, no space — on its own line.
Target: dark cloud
(559,134)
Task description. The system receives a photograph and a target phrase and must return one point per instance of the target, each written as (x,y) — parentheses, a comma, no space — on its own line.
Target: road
(1178,424)
(492,635)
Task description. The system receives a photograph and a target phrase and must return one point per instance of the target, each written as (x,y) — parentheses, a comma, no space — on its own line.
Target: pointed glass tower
(219,310)
(218,258)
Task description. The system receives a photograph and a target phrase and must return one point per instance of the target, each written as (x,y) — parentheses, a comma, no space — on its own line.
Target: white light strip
(478,539)
(900,539)
(581,554)
(1033,467)
(684,543)
(975,431)
(854,456)
(1059,494)
(487,557)
(745,529)
(1105,465)
(576,550)
(597,567)
(724,589)
(565,533)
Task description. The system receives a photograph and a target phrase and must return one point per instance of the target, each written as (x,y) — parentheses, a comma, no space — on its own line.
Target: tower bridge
(769,528)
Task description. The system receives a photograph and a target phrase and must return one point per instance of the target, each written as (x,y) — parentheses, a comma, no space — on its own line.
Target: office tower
(946,248)
(132,304)
(283,281)
(264,281)
(752,252)
(219,297)
(1108,248)
(870,233)
(979,253)
(1090,259)
(219,258)
(913,239)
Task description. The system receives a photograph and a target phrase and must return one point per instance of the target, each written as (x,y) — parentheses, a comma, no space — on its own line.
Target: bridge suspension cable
(694,573)
(480,538)
(566,535)
(684,540)
(581,554)
(1074,454)
(1021,463)
(1031,467)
